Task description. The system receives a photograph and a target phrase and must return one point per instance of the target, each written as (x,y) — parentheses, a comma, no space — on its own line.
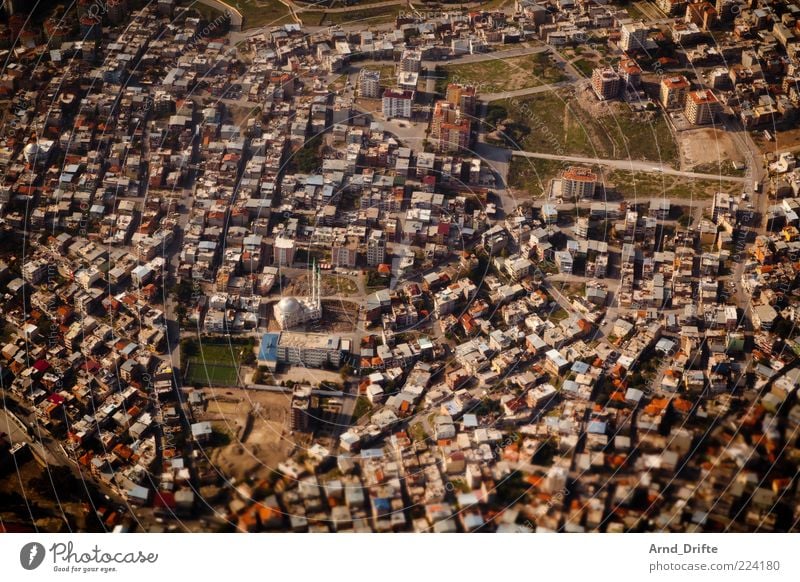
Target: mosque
(291,312)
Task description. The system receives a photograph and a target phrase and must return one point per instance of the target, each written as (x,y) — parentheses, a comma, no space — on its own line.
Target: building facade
(606,83)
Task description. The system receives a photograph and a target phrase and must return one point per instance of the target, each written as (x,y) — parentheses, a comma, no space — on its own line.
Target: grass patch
(215,364)
(648,185)
(635,12)
(388,75)
(554,123)
(211,374)
(376,281)
(362,407)
(418,433)
(722,168)
(532,174)
(258,13)
(498,75)
(337,84)
(558,315)
(585,66)
(375,15)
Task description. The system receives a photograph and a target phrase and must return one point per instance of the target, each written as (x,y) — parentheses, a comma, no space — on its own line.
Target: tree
(180,312)
(188,348)
(307,158)
(184,291)
(345,371)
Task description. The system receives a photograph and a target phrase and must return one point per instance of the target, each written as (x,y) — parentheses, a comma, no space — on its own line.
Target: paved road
(524,92)
(632,165)
(17,434)
(287,390)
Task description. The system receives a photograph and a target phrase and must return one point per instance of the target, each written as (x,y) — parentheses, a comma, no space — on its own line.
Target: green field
(554,123)
(216,365)
(502,74)
(211,374)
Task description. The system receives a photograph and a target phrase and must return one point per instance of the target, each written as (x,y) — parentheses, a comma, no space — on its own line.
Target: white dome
(288,306)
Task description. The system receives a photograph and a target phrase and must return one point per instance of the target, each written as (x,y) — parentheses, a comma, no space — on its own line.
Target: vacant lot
(558,123)
(368,16)
(331,285)
(784,140)
(532,175)
(498,75)
(263,13)
(709,150)
(250,429)
(256,13)
(649,185)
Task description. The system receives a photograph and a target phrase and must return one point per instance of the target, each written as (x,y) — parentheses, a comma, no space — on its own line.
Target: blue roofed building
(268,351)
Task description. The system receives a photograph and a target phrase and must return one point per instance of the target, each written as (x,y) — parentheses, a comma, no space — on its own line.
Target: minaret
(318,277)
(313,282)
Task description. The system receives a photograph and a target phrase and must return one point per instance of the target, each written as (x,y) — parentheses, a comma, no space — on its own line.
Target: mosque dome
(289,306)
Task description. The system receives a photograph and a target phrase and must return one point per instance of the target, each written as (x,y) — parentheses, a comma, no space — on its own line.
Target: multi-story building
(633,36)
(344,251)
(578,182)
(671,7)
(300,419)
(463,97)
(702,107)
(411,61)
(450,129)
(283,252)
(314,350)
(117,10)
(582,227)
(703,14)
(673,91)
(369,84)
(376,248)
(630,73)
(606,83)
(397,103)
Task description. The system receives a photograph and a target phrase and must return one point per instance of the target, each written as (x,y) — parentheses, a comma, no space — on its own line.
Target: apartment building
(369,84)
(606,83)
(702,107)
(673,91)
(397,103)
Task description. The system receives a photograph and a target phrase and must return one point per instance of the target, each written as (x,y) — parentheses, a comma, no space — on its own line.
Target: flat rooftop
(320,341)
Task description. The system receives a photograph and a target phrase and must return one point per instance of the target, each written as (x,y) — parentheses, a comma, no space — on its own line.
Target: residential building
(673,91)
(397,103)
(462,96)
(578,182)
(606,83)
(369,84)
(702,107)
(450,129)
(633,37)
(376,248)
